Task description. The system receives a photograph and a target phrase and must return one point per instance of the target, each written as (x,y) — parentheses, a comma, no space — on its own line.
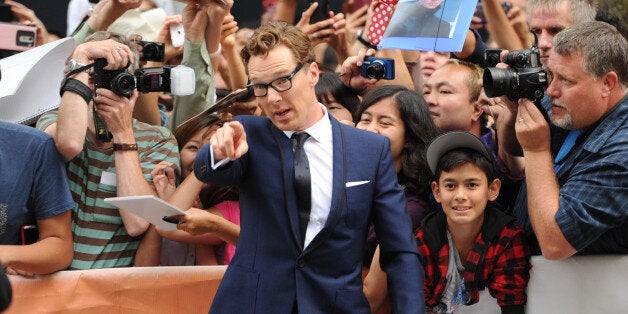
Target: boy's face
(463,193)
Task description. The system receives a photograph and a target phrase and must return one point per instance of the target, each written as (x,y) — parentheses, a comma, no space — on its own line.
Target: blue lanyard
(568,144)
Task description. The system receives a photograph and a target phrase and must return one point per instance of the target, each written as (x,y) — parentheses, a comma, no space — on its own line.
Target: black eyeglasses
(281,84)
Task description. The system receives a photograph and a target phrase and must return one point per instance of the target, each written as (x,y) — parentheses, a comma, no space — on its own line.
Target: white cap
(147,23)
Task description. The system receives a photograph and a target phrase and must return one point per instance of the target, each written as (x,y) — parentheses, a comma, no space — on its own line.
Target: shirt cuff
(215,165)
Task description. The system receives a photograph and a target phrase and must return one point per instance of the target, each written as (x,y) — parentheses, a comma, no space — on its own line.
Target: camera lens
(149,51)
(123,84)
(498,82)
(375,70)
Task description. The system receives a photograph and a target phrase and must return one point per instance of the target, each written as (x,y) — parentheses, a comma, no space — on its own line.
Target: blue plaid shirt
(593,191)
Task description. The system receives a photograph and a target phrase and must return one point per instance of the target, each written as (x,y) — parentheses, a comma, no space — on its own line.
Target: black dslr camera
(178,80)
(378,68)
(118,81)
(525,79)
(152,51)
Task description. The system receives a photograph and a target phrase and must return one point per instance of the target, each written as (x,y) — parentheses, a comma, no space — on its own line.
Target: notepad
(31,81)
(149,207)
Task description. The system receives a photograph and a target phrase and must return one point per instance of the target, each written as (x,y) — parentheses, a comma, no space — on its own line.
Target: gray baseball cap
(454,140)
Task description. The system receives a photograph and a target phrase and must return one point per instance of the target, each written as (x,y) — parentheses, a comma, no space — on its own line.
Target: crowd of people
(325,190)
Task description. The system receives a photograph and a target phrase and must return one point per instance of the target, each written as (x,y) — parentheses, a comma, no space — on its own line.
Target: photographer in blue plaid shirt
(577,199)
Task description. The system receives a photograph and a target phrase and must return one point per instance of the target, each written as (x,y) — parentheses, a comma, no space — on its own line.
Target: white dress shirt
(320,155)
(319,150)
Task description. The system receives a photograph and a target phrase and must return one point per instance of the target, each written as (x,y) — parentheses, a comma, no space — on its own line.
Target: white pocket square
(354,183)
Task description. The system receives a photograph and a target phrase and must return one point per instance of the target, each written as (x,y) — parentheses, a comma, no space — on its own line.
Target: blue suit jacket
(270,270)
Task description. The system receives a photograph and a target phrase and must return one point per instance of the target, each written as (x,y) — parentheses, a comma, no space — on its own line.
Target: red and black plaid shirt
(500,259)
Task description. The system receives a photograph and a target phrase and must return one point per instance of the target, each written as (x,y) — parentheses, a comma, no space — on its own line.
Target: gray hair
(603,48)
(580,11)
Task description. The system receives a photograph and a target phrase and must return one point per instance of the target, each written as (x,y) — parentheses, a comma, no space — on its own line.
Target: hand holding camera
(117,55)
(113,115)
(378,68)
(524,79)
(358,72)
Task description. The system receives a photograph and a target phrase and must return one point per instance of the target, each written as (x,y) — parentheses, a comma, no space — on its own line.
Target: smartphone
(30,234)
(322,11)
(17,37)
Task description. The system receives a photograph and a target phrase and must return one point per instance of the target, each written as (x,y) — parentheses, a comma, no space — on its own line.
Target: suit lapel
(287,169)
(338,189)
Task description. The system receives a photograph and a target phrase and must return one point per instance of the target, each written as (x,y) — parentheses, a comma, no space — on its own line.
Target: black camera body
(152,51)
(153,79)
(378,68)
(118,81)
(491,57)
(178,80)
(525,79)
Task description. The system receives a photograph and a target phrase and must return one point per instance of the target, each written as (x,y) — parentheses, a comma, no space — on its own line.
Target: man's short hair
(276,33)
(580,11)
(603,49)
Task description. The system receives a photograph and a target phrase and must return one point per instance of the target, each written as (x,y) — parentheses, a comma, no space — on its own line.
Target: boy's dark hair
(460,156)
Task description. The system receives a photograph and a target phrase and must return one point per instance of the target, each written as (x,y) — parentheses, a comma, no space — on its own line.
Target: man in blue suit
(278,268)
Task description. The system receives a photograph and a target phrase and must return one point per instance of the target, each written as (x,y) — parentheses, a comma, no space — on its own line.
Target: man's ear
(477,111)
(436,191)
(314,73)
(493,189)
(610,81)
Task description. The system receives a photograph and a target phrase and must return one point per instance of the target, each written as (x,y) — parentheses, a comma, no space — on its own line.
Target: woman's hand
(164,180)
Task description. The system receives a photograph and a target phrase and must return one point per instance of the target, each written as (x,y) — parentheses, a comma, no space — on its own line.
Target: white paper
(31,81)
(149,207)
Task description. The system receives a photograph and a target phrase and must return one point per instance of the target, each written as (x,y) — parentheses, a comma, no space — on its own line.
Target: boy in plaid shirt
(491,245)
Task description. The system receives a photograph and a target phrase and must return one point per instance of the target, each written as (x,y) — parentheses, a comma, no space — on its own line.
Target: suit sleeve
(399,256)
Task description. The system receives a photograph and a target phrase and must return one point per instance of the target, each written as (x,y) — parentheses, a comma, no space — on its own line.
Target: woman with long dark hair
(402,115)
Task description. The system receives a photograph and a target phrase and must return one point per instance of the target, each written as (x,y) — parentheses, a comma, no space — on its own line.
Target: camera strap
(78,70)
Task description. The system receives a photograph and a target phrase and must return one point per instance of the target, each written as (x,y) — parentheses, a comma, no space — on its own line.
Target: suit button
(300,264)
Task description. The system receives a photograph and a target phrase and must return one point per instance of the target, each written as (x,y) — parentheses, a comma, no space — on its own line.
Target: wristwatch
(364,41)
(73,65)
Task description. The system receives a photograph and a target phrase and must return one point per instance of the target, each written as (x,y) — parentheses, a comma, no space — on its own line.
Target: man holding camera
(576,199)
(108,153)
(306,204)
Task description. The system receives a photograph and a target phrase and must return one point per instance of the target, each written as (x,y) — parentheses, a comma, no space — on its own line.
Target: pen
(171,220)
(200,2)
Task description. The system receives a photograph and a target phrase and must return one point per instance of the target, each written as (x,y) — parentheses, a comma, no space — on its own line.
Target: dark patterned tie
(303,182)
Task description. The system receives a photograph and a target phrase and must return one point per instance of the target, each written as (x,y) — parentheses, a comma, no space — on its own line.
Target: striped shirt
(100,238)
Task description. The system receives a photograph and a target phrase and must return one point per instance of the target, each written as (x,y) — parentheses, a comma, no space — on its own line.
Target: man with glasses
(306,204)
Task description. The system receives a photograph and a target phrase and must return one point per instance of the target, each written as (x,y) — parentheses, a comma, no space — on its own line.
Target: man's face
(431,4)
(448,97)
(295,109)
(546,24)
(575,95)
(432,60)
